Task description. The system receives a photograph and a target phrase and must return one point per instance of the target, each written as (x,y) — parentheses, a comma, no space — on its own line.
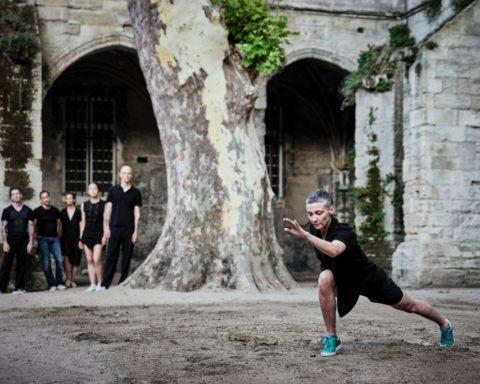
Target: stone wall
(70,30)
(420,25)
(441,102)
(442,160)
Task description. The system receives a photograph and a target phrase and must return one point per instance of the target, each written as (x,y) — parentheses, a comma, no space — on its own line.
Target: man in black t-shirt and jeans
(346,272)
(48,229)
(121,220)
(17,233)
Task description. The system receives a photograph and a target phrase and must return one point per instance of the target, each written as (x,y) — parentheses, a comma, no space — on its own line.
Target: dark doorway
(97,116)
(308,144)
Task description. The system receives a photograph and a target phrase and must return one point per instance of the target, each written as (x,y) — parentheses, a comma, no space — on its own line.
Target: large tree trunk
(219,226)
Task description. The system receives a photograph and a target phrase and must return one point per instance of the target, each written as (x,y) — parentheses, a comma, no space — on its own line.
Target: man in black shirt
(346,272)
(121,220)
(17,233)
(48,228)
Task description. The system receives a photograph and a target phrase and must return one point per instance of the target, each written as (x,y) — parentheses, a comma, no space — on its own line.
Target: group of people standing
(113,223)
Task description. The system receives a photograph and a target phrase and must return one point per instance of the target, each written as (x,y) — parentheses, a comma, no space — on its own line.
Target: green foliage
(19,46)
(12,20)
(352,82)
(19,179)
(458,5)
(376,65)
(399,188)
(400,36)
(351,154)
(384,85)
(367,66)
(431,45)
(256,33)
(433,9)
(17,49)
(371,119)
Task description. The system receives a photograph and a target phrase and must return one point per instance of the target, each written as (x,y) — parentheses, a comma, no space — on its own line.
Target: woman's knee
(326,282)
(410,306)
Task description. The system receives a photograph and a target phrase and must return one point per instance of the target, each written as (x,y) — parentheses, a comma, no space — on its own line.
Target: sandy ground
(149,336)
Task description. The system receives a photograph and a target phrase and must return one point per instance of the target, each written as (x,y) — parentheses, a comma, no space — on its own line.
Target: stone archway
(97,116)
(66,59)
(307,141)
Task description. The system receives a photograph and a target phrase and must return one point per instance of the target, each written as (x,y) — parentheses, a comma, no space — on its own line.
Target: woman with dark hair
(70,239)
(91,229)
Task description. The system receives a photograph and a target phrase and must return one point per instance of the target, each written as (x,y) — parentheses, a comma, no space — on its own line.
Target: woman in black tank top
(91,229)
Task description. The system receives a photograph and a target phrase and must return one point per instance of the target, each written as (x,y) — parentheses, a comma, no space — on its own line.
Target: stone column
(442,160)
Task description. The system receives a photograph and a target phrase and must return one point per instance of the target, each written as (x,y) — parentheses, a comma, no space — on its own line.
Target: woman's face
(69,200)
(320,215)
(93,190)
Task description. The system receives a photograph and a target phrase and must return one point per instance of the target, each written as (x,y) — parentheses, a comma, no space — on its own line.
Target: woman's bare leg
(97,259)
(411,305)
(326,297)
(68,267)
(90,264)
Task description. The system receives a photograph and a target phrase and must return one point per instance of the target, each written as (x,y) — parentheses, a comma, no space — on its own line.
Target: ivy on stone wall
(398,190)
(369,200)
(458,5)
(433,8)
(376,65)
(400,36)
(18,46)
(257,34)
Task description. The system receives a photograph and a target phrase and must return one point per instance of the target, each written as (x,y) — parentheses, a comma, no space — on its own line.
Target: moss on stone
(18,46)
(19,179)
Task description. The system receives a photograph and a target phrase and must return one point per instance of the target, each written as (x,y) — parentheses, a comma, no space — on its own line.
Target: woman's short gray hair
(320,196)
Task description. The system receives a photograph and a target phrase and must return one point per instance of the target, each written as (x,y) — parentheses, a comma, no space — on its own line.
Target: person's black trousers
(18,250)
(119,237)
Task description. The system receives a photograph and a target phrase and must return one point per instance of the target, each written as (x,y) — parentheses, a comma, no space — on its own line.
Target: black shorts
(381,289)
(91,242)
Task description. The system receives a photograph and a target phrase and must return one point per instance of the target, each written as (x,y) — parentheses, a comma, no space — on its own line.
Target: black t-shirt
(47,221)
(123,204)
(17,226)
(351,269)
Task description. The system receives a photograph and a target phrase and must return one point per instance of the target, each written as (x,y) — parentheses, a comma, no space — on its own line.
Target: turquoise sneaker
(446,336)
(331,345)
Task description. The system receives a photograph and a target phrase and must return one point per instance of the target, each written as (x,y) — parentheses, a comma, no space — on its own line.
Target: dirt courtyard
(149,336)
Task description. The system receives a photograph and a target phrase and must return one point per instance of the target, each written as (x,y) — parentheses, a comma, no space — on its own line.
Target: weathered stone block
(469,118)
(438,116)
(50,3)
(451,101)
(72,29)
(86,4)
(115,5)
(433,86)
(91,17)
(53,13)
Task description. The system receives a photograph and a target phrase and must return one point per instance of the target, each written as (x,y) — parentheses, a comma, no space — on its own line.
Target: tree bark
(218,231)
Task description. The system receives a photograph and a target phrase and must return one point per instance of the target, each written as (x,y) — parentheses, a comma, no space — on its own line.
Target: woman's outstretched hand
(292,226)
